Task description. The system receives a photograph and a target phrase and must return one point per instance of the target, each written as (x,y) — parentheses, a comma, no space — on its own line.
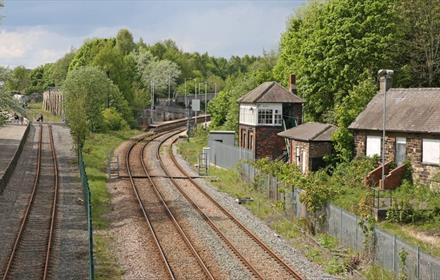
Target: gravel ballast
(296,259)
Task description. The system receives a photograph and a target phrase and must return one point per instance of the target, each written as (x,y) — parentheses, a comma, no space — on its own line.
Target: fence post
(340,217)
(356,237)
(394,253)
(418,262)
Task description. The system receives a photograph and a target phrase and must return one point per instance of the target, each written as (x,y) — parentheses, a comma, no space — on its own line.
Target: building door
(304,167)
(400,150)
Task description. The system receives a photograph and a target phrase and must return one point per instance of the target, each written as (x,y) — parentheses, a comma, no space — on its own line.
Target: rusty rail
(256,239)
(25,219)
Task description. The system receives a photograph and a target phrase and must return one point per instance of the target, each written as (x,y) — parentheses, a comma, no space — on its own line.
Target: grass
(375,272)
(96,150)
(34,109)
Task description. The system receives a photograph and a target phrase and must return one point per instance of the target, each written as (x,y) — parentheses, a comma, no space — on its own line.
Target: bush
(113,120)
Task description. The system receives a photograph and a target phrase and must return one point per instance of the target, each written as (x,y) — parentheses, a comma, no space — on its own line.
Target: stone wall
(311,150)
(422,172)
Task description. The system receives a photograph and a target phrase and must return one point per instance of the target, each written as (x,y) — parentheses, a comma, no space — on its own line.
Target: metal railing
(88,206)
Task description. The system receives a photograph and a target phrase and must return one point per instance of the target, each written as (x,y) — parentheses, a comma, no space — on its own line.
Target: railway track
(255,255)
(177,253)
(30,256)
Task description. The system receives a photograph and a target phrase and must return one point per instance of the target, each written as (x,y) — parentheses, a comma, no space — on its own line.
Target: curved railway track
(31,252)
(174,255)
(260,270)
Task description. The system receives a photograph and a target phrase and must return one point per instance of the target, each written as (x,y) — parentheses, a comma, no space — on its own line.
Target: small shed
(265,111)
(223,136)
(309,143)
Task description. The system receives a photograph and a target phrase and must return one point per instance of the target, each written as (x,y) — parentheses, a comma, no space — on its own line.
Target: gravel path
(70,254)
(281,246)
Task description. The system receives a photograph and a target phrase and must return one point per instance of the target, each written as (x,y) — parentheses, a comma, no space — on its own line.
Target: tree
(160,72)
(420,22)
(60,68)
(331,45)
(19,80)
(87,91)
(124,41)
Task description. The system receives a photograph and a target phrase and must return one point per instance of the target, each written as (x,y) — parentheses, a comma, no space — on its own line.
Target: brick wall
(268,143)
(422,172)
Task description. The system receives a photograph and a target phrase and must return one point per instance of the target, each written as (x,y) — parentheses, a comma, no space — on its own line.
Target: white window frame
(431,151)
(371,148)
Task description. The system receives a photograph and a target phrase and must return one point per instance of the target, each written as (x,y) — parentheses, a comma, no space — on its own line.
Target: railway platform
(11,137)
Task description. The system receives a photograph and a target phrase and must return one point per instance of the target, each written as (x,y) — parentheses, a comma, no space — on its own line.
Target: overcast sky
(41,31)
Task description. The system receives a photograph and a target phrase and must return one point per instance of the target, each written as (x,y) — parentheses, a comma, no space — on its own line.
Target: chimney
(385,80)
(292,83)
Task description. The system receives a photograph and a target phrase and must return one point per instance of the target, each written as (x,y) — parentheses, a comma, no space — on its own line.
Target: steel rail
(54,206)
(171,215)
(29,206)
(211,223)
(256,239)
(145,214)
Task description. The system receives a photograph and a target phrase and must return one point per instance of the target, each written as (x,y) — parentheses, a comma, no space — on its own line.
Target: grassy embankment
(35,109)
(96,150)
(322,249)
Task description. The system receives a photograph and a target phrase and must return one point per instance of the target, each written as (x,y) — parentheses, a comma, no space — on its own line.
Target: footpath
(12,139)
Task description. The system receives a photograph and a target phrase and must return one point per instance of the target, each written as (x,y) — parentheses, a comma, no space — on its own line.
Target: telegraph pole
(206,102)
(169,89)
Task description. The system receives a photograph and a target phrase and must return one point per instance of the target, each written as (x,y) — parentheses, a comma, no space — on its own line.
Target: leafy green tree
(85,55)
(41,78)
(346,112)
(420,22)
(18,80)
(112,62)
(60,69)
(160,72)
(330,46)
(87,92)
(7,105)
(124,41)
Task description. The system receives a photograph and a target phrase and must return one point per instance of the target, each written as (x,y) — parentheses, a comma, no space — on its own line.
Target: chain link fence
(88,206)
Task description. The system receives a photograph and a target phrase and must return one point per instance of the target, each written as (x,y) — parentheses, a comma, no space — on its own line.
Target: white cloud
(33,46)
(218,30)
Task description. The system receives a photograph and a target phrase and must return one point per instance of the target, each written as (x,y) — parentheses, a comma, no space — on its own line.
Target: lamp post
(384,74)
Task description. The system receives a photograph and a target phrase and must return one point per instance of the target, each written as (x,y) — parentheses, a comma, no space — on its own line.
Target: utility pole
(386,74)
(206,102)
(188,112)
(195,97)
(169,89)
(152,102)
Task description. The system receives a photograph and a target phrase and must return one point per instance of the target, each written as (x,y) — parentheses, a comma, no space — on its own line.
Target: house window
(373,145)
(265,116)
(431,151)
(278,117)
(400,150)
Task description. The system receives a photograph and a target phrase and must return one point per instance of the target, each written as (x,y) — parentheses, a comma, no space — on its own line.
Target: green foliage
(113,120)
(40,79)
(403,255)
(7,105)
(87,91)
(420,22)
(60,69)
(18,80)
(334,266)
(332,45)
(124,41)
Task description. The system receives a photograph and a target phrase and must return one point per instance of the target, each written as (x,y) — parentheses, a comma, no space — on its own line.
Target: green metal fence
(88,205)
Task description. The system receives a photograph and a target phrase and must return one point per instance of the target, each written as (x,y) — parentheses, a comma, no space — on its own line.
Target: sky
(41,31)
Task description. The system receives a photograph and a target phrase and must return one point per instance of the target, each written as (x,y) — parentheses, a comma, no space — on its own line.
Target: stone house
(412,129)
(308,144)
(264,112)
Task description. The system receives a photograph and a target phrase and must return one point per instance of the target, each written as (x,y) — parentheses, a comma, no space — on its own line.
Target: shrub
(113,120)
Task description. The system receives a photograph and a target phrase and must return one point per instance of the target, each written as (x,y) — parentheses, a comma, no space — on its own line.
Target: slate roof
(270,92)
(408,110)
(311,131)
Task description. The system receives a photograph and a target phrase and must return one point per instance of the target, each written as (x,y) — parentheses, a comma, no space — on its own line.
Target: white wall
(248,114)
